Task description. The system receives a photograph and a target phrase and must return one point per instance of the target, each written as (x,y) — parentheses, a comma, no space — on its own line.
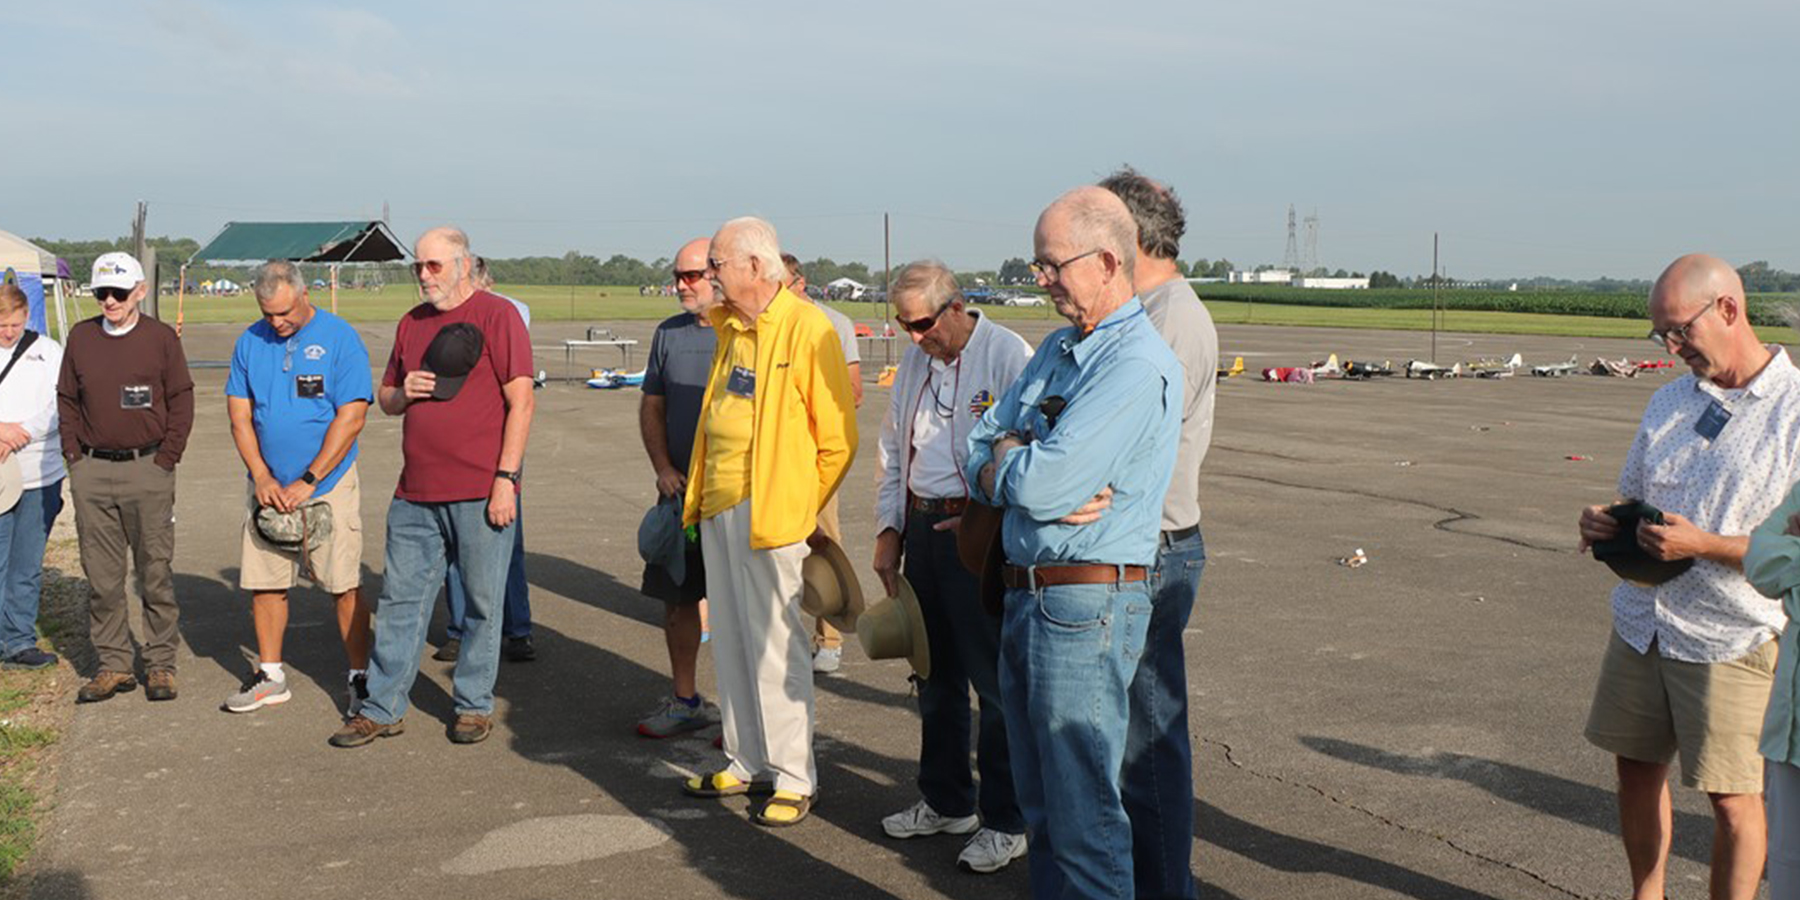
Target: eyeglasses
(716,264)
(689,276)
(920,326)
(1050,271)
(1678,336)
(112,294)
(434,266)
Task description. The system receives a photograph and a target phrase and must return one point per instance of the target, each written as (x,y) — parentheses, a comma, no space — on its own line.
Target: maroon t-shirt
(450,448)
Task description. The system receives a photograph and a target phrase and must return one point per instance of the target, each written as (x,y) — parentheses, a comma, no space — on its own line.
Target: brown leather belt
(1020,578)
(940,506)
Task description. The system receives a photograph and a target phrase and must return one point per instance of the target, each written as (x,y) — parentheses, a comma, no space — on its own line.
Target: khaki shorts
(1650,708)
(336,568)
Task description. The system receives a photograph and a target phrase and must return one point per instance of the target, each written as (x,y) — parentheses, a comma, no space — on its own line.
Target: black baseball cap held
(1622,554)
(451,355)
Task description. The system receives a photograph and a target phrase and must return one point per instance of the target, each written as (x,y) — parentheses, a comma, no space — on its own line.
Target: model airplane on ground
(1496,368)
(1555,370)
(1237,368)
(613,379)
(1432,371)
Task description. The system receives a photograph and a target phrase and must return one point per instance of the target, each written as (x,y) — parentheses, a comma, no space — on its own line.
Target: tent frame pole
(180,298)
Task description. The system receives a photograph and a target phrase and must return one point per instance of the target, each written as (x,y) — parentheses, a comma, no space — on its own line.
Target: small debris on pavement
(1404,463)
(1355,560)
(1579,458)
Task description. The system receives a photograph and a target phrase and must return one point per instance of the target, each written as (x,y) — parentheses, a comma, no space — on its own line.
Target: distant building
(1266,276)
(1333,284)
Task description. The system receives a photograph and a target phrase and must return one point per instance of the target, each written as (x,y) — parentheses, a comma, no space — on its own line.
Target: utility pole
(1436,308)
(146,257)
(887,297)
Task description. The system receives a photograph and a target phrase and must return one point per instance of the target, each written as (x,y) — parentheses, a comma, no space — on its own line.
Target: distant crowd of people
(1037,518)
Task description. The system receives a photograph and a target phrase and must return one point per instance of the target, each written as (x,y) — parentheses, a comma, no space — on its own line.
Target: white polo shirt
(28,397)
(1726,485)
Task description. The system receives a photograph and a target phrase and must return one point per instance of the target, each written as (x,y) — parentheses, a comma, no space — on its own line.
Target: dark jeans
(23,532)
(965,653)
(515,618)
(1158,780)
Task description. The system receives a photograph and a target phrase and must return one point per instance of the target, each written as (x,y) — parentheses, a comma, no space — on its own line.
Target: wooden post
(180,299)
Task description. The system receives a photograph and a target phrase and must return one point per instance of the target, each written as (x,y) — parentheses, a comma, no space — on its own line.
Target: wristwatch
(512,476)
(308,477)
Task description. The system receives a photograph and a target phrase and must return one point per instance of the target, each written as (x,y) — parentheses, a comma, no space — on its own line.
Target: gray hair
(1099,219)
(756,239)
(1157,211)
(273,275)
(931,280)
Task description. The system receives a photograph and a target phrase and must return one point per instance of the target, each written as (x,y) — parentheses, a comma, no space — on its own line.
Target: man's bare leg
(1740,844)
(353,627)
(269,609)
(1646,822)
(681,628)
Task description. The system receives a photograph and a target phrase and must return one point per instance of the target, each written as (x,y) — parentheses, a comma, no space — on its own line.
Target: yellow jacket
(803,411)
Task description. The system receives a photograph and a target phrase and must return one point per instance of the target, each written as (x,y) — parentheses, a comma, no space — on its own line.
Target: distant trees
(1016,271)
(1380,279)
(1759,278)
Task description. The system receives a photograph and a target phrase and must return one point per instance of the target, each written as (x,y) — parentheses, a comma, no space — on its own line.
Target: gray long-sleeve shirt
(1187,327)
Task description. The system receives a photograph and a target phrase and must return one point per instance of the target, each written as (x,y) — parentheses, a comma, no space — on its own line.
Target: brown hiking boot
(105,684)
(361,730)
(161,685)
(471,729)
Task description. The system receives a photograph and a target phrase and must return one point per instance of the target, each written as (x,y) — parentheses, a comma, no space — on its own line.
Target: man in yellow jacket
(777,433)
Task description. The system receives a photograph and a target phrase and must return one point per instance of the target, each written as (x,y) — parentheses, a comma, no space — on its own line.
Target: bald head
(1698,311)
(692,287)
(442,263)
(1097,219)
(1695,280)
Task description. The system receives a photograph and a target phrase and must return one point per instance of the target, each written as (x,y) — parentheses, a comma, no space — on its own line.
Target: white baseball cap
(117,270)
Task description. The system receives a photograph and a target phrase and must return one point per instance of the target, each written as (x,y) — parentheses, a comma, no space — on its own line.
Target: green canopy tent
(333,243)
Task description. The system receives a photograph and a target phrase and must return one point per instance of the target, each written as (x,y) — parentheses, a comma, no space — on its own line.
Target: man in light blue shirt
(1079,452)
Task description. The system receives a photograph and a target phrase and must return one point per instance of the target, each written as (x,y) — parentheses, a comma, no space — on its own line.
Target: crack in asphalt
(1230,755)
(1454,515)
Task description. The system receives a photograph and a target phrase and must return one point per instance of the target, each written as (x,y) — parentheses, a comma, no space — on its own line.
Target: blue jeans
(1067,654)
(1158,780)
(420,538)
(23,531)
(515,620)
(965,653)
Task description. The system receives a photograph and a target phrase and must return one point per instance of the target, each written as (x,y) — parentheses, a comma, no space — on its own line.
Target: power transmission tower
(1312,241)
(1291,259)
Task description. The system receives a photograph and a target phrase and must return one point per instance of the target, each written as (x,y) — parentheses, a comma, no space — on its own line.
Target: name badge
(1712,421)
(309,386)
(742,382)
(134,396)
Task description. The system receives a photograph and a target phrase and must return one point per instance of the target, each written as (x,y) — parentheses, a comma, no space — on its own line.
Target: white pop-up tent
(35,270)
(846,287)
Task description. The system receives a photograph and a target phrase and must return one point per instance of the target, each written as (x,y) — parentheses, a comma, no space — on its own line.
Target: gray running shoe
(674,717)
(259,691)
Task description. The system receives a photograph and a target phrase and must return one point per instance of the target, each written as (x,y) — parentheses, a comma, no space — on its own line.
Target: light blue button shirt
(1119,425)
(1772,566)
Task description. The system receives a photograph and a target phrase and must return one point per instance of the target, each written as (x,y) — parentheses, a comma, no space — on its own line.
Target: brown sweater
(125,392)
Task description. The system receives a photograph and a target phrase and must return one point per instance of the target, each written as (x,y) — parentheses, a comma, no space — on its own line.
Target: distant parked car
(1026,300)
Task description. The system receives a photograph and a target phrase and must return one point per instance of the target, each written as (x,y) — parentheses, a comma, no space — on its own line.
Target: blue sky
(1574,139)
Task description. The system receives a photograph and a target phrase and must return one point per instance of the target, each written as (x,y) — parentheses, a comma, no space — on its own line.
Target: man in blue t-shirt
(298,394)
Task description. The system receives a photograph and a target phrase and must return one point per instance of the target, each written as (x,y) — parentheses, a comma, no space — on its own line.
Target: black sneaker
(520,649)
(448,650)
(359,691)
(29,658)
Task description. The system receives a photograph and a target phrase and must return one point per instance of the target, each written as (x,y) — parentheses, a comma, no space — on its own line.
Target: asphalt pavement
(1408,728)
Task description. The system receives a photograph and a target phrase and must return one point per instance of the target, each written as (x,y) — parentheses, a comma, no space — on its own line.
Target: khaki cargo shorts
(336,568)
(1650,708)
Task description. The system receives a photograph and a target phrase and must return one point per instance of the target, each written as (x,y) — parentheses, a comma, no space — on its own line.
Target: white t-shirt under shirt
(935,473)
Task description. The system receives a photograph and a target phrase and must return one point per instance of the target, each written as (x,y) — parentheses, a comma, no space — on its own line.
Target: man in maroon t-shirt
(461,375)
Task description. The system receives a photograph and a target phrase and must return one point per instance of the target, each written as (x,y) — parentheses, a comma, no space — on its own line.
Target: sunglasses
(920,326)
(689,276)
(434,266)
(111,294)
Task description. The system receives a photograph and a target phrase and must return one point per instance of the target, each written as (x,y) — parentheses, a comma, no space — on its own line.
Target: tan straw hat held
(894,628)
(829,589)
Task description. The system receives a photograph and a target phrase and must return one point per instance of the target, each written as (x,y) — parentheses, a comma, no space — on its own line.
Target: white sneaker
(989,851)
(920,819)
(827,659)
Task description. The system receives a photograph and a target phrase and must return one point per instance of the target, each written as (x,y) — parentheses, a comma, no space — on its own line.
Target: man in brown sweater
(127,403)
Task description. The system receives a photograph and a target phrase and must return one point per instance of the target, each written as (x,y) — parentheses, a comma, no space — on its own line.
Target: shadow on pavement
(1551,795)
(1287,853)
(597,740)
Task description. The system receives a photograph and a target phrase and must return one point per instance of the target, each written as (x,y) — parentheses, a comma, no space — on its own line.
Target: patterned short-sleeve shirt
(1726,484)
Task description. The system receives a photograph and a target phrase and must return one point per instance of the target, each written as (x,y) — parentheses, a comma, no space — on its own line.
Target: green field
(1549,312)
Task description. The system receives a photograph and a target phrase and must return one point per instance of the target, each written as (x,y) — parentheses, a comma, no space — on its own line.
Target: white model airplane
(1555,370)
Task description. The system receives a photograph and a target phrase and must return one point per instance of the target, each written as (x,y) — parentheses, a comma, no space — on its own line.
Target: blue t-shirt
(295,386)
